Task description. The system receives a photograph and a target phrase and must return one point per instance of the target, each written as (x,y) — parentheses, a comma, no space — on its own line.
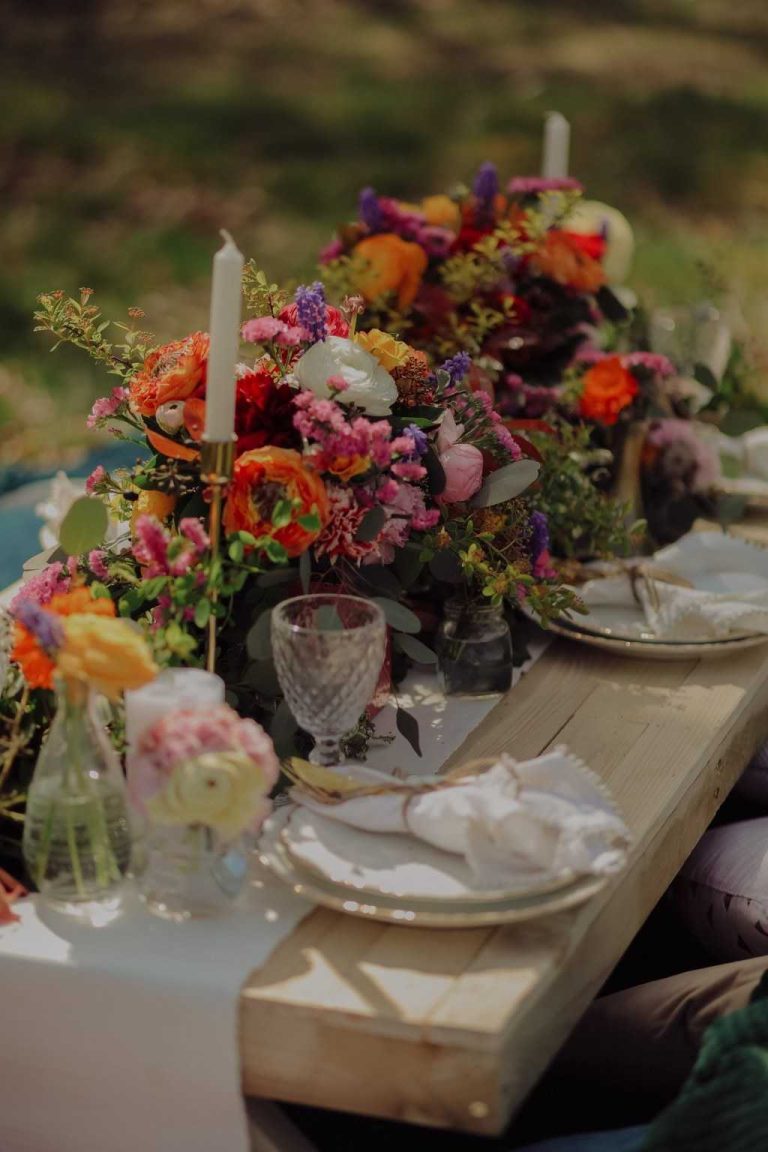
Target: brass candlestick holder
(217,459)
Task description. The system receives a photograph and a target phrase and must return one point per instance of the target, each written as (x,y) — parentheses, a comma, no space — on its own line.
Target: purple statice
(419,437)
(539,535)
(486,187)
(311,310)
(457,367)
(369,210)
(46,627)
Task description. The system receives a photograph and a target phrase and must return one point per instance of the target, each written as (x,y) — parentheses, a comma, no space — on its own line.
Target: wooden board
(453,1029)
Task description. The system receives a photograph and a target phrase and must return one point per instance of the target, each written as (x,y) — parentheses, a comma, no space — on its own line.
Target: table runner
(124,1037)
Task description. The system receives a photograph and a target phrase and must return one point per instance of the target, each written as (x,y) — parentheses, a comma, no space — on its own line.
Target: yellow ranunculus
(111,655)
(152,503)
(223,790)
(389,352)
(442,212)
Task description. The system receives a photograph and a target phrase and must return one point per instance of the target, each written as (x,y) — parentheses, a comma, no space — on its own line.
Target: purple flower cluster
(44,626)
(485,188)
(539,535)
(420,439)
(369,210)
(457,367)
(311,310)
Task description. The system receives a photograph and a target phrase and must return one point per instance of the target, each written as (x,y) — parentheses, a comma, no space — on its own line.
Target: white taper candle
(226,296)
(557,139)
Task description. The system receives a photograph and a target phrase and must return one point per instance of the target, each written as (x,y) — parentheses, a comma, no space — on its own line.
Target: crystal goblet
(328,651)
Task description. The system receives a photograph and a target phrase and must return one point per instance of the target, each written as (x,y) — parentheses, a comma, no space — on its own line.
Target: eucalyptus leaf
(305,571)
(371,524)
(262,676)
(381,578)
(327,619)
(446,566)
(84,527)
(408,727)
(414,648)
(408,564)
(506,483)
(276,576)
(704,374)
(283,730)
(259,640)
(397,615)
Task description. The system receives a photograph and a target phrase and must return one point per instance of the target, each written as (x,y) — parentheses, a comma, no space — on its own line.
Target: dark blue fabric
(22,490)
(623,1140)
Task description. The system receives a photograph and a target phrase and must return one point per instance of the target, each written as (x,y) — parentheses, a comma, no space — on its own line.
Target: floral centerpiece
(359,467)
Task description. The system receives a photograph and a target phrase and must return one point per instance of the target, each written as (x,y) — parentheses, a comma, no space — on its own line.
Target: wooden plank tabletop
(454,1028)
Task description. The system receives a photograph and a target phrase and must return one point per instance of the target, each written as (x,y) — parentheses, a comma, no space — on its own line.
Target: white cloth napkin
(729,596)
(542,817)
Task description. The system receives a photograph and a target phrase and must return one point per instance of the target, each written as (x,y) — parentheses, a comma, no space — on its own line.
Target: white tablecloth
(124,1038)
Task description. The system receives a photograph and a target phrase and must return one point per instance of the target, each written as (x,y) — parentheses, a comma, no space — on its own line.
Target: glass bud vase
(474,649)
(190,871)
(77,844)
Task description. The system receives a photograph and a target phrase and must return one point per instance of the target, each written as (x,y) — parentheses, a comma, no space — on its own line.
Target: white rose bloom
(369,386)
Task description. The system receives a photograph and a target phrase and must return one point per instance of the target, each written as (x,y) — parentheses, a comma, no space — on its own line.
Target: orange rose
(562,258)
(172,372)
(36,664)
(608,388)
(442,212)
(152,503)
(389,352)
(347,467)
(261,478)
(390,264)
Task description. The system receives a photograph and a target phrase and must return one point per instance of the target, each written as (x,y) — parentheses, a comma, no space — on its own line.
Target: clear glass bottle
(474,648)
(77,843)
(190,871)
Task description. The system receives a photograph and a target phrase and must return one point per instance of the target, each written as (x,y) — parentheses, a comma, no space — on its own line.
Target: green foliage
(584,521)
(261,298)
(84,527)
(78,322)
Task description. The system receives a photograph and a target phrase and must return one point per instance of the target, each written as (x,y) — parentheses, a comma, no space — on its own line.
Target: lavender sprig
(311,310)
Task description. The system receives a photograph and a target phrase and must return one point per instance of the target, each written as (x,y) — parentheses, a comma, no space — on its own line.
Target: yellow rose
(152,503)
(111,655)
(442,212)
(223,790)
(389,352)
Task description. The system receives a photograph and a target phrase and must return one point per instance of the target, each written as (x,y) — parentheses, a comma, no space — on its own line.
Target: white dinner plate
(418,914)
(397,867)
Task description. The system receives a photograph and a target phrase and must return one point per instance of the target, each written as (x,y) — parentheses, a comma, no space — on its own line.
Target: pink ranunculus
(462,463)
(463,467)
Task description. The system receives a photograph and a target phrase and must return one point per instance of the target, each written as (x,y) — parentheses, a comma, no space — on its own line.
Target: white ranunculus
(369,386)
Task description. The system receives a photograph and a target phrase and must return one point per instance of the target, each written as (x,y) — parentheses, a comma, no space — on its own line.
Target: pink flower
(107,406)
(339,537)
(337,383)
(151,545)
(96,477)
(97,564)
(266,328)
(332,251)
(193,529)
(43,586)
(462,463)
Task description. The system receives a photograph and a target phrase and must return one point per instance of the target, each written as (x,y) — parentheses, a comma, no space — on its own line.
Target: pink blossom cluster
(671,435)
(161,554)
(265,329)
(96,477)
(186,734)
(44,585)
(331,434)
(482,424)
(107,406)
(652,361)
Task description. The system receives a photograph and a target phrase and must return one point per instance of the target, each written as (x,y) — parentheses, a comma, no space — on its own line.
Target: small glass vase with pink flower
(204,782)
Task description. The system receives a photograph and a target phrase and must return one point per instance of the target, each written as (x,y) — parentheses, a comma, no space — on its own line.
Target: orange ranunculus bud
(261,478)
(389,352)
(152,503)
(608,388)
(442,212)
(562,258)
(172,372)
(390,264)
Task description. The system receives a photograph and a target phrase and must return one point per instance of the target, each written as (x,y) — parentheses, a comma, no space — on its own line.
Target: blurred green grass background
(132,130)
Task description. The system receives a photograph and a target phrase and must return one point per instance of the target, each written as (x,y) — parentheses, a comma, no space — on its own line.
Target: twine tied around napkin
(511,820)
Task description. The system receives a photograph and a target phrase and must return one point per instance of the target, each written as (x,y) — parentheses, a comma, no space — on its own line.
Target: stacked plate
(725,566)
(399,879)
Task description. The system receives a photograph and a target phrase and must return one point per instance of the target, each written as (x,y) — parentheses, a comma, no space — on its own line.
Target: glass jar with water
(474,648)
(77,844)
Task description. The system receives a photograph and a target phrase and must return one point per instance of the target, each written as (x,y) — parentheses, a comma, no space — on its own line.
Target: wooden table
(453,1029)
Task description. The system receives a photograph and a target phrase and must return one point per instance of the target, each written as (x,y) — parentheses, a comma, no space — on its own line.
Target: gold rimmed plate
(437,913)
(653,648)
